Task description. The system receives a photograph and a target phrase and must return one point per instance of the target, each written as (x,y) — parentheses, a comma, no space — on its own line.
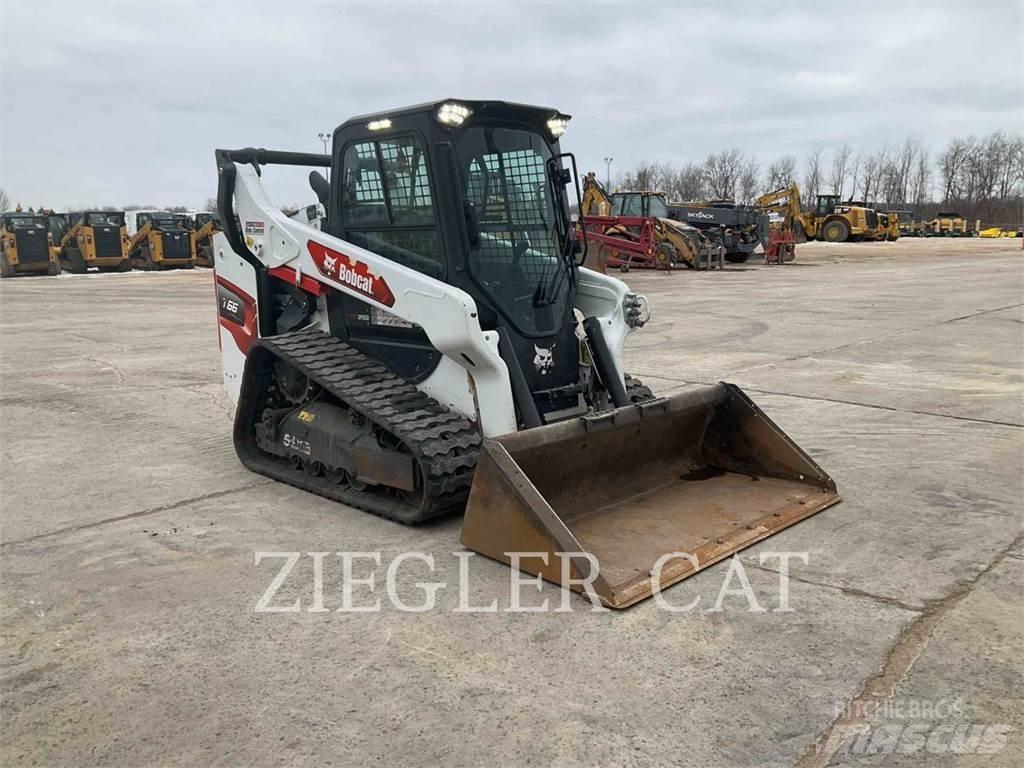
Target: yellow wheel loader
(436,347)
(94,239)
(831,220)
(204,226)
(26,247)
(161,242)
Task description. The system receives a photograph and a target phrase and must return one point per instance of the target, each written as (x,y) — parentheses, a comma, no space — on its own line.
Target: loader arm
(140,237)
(786,202)
(596,200)
(280,247)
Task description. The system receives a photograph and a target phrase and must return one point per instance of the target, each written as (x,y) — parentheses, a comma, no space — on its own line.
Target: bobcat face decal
(543,359)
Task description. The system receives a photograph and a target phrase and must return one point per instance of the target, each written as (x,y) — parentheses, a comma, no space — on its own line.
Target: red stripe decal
(306,283)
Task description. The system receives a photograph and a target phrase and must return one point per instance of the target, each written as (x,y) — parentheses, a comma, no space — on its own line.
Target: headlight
(453,114)
(557,125)
(379,125)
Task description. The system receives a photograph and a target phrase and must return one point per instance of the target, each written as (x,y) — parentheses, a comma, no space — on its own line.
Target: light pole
(325,137)
(608,172)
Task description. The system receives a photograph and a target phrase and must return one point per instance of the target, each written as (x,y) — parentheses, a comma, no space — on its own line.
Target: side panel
(235,292)
(603,297)
(447,314)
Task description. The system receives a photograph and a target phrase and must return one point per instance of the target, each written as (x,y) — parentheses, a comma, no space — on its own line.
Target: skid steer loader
(94,239)
(26,247)
(437,347)
(204,225)
(161,242)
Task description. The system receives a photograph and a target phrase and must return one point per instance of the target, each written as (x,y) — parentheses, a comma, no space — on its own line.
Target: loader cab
(10,222)
(645,204)
(203,218)
(826,204)
(474,194)
(57,224)
(166,221)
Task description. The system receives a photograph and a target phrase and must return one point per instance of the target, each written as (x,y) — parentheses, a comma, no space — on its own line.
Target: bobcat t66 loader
(437,347)
(25,246)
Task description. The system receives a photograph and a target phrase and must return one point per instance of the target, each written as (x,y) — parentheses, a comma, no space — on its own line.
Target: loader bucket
(703,472)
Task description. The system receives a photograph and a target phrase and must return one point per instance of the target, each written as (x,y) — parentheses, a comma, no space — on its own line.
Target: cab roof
(502,110)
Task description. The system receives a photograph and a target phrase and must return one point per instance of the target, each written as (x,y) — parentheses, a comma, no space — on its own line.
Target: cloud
(114,103)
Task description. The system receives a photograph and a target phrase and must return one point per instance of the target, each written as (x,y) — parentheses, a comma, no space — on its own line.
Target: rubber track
(637,391)
(444,444)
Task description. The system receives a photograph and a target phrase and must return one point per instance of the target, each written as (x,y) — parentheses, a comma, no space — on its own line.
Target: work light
(452,114)
(557,125)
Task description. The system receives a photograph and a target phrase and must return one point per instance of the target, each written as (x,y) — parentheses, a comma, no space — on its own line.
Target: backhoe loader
(94,239)
(437,347)
(832,220)
(161,242)
(204,225)
(26,247)
(637,231)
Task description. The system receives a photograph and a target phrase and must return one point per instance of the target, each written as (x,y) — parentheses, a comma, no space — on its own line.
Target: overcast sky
(119,103)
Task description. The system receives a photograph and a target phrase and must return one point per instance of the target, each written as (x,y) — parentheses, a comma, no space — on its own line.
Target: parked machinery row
(945,224)
(642,229)
(108,241)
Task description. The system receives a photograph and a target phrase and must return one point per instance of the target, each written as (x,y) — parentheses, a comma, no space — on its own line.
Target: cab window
(386,206)
(658,207)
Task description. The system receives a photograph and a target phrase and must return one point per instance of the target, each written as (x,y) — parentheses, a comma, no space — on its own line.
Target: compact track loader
(25,246)
(437,347)
(161,242)
(204,225)
(94,239)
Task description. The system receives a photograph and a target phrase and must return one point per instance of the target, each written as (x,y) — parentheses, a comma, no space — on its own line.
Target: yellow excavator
(831,220)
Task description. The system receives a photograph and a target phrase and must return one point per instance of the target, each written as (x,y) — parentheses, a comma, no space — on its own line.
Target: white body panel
(471,379)
(237,271)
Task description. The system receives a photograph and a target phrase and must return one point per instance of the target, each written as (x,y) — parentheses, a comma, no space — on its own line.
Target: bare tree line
(979,177)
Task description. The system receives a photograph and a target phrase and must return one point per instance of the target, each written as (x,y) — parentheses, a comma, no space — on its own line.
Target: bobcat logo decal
(543,359)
